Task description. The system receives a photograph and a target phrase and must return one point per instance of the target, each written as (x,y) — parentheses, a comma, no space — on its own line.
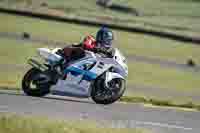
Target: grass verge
(157,102)
(185,10)
(17,52)
(129,43)
(11,123)
(13,56)
(156,76)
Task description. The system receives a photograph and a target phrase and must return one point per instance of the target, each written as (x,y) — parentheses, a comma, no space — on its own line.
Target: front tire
(39,90)
(98,90)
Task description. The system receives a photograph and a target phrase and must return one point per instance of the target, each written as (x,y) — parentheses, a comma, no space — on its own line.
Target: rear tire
(99,84)
(40,90)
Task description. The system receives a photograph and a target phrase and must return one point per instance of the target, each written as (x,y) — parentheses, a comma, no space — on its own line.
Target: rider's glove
(60,52)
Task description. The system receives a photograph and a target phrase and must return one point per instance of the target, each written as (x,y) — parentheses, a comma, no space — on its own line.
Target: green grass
(177,7)
(187,11)
(159,77)
(156,102)
(11,79)
(14,52)
(129,43)
(44,29)
(11,123)
(17,52)
(181,13)
(183,8)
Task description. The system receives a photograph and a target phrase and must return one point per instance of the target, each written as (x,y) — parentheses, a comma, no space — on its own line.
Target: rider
(102,44)
(104,38)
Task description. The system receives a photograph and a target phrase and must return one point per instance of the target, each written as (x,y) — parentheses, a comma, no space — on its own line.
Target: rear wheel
(108,95)
(33,83)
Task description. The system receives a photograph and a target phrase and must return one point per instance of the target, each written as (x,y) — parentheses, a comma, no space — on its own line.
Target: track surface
(157,119)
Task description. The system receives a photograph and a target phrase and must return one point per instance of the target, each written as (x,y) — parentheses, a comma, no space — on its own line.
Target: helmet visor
(108,36)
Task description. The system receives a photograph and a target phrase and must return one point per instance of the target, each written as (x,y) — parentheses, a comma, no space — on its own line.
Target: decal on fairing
(76,71)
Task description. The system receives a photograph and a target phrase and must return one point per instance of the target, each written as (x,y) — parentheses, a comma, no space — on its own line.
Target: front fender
(111,75)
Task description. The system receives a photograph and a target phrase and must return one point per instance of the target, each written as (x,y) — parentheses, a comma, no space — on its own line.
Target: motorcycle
(101,78)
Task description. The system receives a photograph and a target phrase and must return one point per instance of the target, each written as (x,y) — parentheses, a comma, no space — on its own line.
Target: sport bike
(96,76)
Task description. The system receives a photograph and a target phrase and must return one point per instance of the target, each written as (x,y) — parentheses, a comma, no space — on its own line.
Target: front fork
(110,76)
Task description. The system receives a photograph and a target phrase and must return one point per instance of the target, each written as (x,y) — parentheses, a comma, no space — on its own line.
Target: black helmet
(104,37)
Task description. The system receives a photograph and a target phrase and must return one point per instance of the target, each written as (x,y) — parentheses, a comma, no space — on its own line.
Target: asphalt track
(157,119)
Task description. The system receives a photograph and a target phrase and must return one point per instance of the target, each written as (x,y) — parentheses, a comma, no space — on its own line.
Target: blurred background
(160,39)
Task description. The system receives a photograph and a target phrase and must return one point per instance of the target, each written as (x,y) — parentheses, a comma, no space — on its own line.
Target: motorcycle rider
(102,44)
(104,38)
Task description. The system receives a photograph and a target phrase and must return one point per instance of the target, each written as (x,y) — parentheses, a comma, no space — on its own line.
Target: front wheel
(108,95)
(32,83)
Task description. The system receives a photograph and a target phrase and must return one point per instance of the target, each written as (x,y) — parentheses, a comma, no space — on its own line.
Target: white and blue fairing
(79,68)
(81,72)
